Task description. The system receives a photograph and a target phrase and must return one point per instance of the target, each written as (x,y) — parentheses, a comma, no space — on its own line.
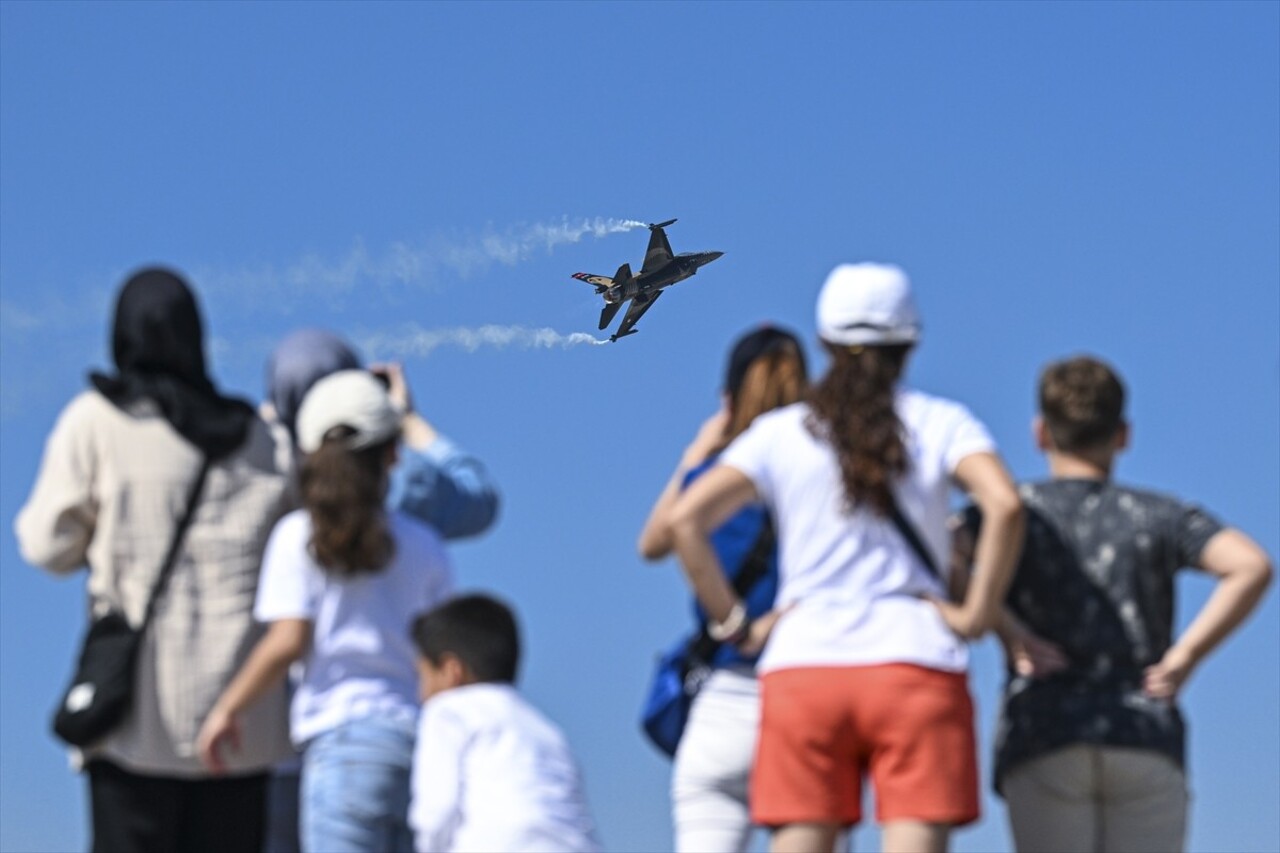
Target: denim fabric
(445,487)
(355,788)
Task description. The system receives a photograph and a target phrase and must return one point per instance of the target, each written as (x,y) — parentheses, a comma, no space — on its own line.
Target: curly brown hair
(852,408)
(343,491)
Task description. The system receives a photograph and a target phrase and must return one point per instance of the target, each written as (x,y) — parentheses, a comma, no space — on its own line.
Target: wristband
(733,628)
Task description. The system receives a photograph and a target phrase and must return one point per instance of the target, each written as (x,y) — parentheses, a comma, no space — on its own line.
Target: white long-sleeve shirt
(492,773)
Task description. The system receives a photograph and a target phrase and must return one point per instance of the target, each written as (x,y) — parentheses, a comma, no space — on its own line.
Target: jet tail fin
(623,273)
(610,311)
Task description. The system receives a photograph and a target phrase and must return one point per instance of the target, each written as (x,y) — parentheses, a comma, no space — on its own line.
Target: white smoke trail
(514,247)
(296,286)
(422,342)
(406,264)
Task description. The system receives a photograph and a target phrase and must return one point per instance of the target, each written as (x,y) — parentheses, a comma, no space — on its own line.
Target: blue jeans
(355,788)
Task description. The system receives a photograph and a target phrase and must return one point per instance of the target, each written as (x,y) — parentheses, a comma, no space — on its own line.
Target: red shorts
(910,728)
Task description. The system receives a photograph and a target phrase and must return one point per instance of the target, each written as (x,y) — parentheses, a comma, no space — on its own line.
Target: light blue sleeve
(445,487)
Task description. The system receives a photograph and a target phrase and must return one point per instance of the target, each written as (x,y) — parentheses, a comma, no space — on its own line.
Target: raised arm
(445,487)
(655,539)
(995,551)
(435,481)
(1243,572)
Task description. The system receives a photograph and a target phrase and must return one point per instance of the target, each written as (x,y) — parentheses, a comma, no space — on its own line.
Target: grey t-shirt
(1096,579)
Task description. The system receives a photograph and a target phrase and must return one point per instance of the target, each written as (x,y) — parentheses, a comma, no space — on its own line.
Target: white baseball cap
(351,398)
(867,304)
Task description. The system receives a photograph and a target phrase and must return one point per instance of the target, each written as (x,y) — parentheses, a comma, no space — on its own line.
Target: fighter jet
(661,269)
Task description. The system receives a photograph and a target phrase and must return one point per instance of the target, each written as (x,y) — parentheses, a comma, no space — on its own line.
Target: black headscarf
(157,342)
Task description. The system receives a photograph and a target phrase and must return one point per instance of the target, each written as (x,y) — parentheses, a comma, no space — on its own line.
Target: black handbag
(101,692)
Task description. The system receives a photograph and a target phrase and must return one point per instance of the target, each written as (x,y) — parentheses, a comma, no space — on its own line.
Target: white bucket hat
(867,304)
(351,398)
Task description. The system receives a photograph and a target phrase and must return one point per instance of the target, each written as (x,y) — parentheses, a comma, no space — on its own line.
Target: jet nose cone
(711,256)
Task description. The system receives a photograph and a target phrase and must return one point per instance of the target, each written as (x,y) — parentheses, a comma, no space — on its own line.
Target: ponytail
(853,409)
(343,491)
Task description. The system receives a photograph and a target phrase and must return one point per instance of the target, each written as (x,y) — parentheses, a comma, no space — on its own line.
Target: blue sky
(1056,178)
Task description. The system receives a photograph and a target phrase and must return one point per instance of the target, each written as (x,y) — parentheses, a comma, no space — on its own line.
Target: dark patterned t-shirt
(1096,579)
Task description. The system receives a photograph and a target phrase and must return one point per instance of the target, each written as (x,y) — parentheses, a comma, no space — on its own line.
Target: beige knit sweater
(110,490)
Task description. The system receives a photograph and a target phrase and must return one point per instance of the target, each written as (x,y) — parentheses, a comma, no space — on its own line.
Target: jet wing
(659,251)
(635,311)
(591,278)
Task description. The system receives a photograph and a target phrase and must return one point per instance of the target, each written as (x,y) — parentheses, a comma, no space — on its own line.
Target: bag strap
(754,567)
(756,564)
(908,531)
(166,569)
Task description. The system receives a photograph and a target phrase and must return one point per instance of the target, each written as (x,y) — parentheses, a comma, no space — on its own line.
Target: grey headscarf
(300,361)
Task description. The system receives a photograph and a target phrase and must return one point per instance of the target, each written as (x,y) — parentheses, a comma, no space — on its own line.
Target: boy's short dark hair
(477,629)
(1082,403)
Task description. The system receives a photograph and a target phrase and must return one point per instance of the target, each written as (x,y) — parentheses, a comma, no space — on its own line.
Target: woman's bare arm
(995,553)
(286,641)
(1243,571)
(708,502)
(655,539)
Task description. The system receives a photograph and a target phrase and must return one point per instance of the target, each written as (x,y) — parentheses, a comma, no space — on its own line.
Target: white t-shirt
(362,659)
(491,773)
(853,578)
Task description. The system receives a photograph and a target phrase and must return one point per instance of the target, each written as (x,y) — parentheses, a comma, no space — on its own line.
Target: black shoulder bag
(101,691)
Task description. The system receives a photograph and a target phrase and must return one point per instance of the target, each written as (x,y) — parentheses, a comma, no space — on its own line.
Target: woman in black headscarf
(115,478)
(158,345)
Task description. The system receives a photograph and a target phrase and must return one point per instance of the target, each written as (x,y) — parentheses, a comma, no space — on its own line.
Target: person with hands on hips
(1090,743)
(864,673)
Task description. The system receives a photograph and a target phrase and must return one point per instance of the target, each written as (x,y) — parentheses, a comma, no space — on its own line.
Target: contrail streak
(326,280)
(407,264)
(422,342)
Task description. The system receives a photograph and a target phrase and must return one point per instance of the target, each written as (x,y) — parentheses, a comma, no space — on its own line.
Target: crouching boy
(489,772)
